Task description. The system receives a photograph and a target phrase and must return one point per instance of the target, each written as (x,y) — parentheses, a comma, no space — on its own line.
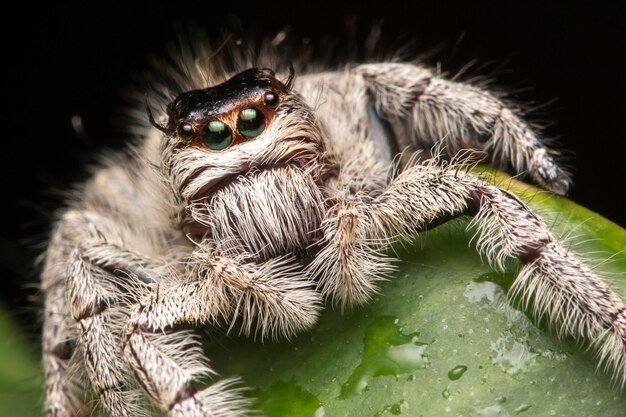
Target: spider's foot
(546,173)
(218,400)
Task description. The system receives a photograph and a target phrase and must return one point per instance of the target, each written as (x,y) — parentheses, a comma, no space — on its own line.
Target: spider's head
(251,125)
(220,117)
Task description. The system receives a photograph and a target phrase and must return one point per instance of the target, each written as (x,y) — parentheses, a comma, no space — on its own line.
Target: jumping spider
(250,200)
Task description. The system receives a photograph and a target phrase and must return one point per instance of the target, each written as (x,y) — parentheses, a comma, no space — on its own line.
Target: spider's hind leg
(426,110)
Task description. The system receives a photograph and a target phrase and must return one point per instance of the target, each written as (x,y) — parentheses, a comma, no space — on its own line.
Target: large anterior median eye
(217,135)
(250,122)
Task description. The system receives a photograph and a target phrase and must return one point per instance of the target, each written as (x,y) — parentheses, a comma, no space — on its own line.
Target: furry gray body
(256,236)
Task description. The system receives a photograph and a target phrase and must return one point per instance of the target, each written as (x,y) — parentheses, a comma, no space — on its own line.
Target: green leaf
(439,339)
(21,380)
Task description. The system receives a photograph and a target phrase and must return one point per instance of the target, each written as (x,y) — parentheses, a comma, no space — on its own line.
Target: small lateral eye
(185,131)
(217,135)
(270,99)
(250,122)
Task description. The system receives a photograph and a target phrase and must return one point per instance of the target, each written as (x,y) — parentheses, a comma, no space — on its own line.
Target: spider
(255,196)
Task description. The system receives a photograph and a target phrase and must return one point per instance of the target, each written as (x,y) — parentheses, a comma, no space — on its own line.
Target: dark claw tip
(556,181)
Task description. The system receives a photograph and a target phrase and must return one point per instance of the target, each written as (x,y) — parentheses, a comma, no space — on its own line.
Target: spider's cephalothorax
(258,199)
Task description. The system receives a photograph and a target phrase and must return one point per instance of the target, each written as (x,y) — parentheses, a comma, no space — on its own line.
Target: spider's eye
(270,99)
(185,131)
(217,135)
(250,123)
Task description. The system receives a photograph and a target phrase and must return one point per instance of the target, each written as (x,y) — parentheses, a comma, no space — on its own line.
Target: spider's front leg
(272,297)
(429,110)
(350,262)
(551,280)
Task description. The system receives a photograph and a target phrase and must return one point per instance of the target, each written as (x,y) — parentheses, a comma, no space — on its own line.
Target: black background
(75,59)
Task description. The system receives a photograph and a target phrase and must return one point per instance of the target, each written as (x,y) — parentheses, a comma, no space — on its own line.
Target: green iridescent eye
(250,123)
(217,135)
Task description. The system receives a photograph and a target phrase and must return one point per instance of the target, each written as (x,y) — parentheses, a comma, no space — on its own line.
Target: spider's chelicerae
(253,197)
